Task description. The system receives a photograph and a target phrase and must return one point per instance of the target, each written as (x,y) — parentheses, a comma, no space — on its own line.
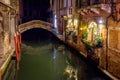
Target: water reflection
(53,61)
(54,54)
(70,73)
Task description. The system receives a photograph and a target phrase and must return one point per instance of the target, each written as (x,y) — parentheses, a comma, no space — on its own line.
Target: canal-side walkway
(4,62)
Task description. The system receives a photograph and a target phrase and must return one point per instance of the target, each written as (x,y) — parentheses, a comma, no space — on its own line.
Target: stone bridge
(35,24)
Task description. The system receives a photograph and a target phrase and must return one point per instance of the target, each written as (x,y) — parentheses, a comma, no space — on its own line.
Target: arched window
(92,31)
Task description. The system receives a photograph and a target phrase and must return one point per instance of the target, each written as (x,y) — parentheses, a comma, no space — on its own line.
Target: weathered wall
(7,28)
(1,34)
(114,47)
(103,60)
(35,24)
(15,5)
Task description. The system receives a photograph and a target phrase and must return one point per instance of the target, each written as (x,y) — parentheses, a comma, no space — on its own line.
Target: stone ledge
(113,49)
(4,61)
(108,74)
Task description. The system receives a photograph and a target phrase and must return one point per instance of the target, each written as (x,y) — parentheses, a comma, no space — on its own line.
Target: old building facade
(91,27)
(9,11)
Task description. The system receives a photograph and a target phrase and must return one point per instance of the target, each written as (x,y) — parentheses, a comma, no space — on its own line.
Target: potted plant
(98,42)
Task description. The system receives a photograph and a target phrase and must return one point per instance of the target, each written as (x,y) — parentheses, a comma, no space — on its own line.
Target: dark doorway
(36,35)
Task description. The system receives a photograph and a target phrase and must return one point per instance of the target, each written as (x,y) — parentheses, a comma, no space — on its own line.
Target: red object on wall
(18,42)
(16,47)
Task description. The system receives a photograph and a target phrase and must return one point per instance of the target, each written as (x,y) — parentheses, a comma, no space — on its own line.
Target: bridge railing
(35,24)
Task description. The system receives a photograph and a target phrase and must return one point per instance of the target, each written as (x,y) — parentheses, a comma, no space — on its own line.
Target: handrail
(35,21)
(35,24)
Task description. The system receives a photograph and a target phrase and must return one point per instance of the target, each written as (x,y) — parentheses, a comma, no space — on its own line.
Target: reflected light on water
(71,73)
(54,54)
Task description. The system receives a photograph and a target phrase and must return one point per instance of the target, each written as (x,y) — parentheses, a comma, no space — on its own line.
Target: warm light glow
(92,30)
(70,23)
(65,17)
(100,21)
(76,23)
(92,24)
(72,72)
(81,28)
(100,28)
(69,16)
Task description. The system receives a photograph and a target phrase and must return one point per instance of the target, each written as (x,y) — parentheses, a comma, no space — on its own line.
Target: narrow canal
(49,59)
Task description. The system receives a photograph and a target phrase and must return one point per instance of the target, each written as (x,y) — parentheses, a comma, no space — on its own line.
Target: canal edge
(102,70)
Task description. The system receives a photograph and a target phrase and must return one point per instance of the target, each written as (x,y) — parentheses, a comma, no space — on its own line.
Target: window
(77,3)
(69,3)
(65,5)
(92,34)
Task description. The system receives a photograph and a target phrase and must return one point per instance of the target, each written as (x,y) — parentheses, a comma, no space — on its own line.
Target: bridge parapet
(35,24)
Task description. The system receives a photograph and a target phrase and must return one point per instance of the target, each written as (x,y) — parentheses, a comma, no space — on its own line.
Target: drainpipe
(107,42)
(107,38)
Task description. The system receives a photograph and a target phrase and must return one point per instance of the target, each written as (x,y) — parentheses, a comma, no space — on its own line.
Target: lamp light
(100,21)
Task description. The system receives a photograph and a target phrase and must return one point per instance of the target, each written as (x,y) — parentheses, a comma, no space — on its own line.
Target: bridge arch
(35,24)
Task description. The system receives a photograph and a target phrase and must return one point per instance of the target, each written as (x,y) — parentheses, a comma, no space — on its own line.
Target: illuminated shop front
(92,33)
(72,28)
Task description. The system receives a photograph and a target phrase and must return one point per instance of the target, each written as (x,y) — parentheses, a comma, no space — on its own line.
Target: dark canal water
(51,60)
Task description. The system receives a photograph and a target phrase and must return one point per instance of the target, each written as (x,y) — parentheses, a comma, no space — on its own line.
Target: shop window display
(72,29)
(93,35)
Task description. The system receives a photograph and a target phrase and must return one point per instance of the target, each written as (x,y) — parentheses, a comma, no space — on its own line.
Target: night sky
(36,10)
